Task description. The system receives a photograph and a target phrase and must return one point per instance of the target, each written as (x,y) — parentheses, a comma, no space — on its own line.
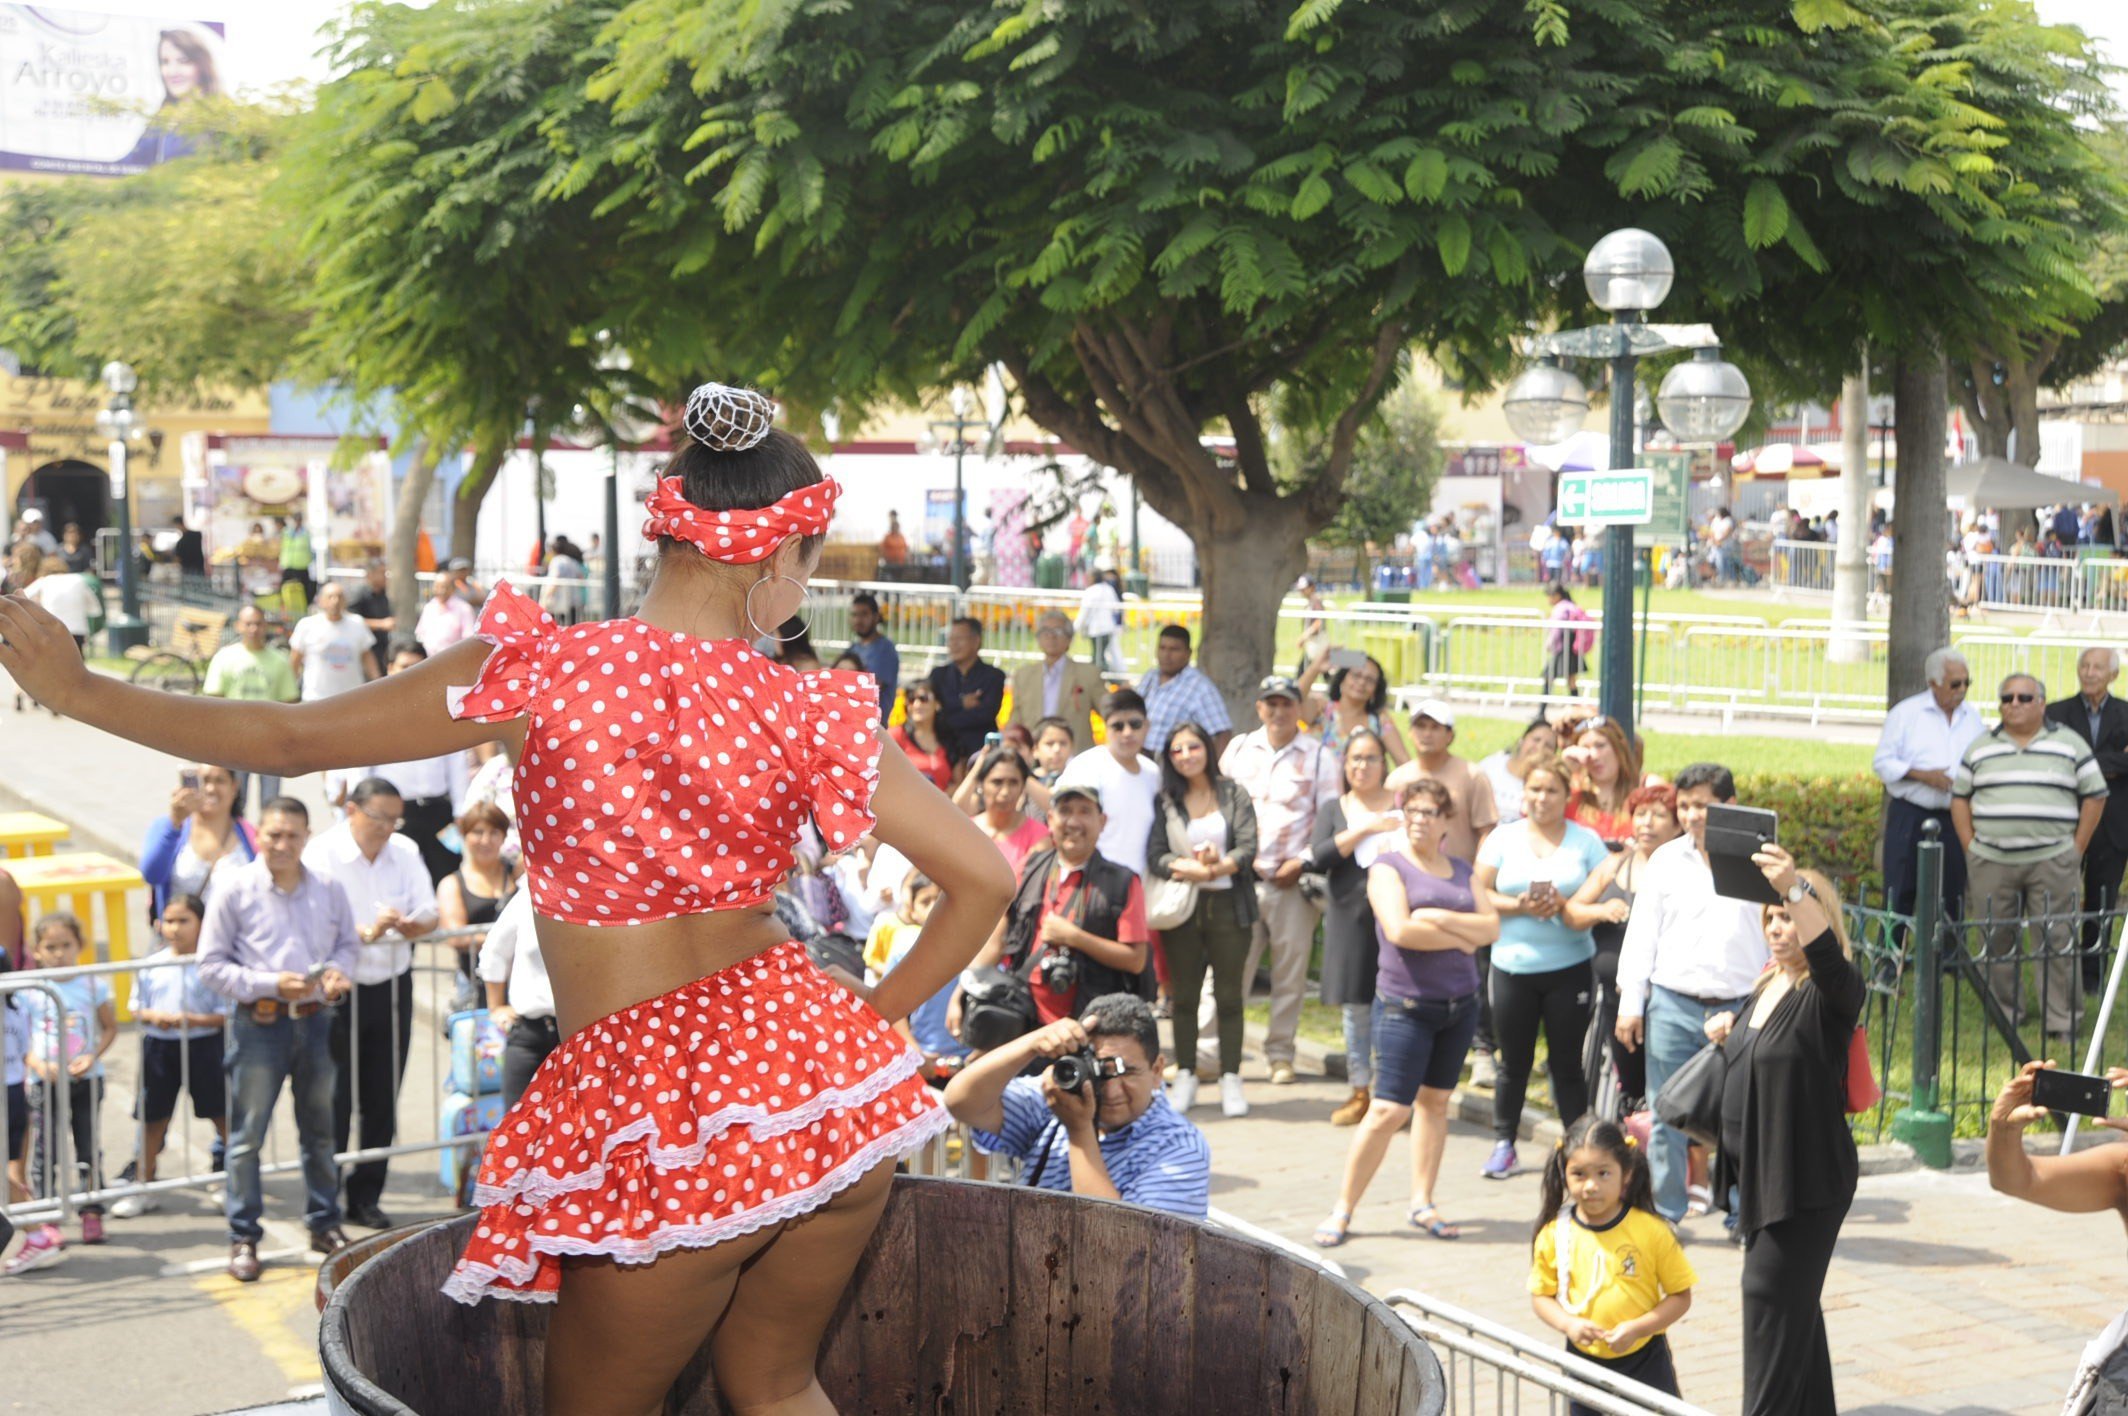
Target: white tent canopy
(1997,484)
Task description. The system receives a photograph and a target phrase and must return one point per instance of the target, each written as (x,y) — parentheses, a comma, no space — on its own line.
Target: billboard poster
(94,95)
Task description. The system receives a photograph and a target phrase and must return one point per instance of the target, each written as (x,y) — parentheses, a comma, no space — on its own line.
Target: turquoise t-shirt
(1528,945)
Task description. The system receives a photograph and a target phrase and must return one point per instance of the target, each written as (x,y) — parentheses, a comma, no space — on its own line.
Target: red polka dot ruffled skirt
(735,1102)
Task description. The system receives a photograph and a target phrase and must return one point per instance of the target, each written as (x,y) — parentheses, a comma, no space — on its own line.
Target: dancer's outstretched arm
(976,884)
(402,718)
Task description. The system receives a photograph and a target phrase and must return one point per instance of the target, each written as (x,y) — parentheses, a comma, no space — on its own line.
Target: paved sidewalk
(1944,1297)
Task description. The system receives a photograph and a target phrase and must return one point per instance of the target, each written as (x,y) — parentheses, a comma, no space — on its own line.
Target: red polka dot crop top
(665,775)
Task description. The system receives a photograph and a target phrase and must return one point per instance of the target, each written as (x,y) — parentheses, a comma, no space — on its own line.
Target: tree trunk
(405,544)
(1850,561)
(488,458)
(2023,398)
(1921,616)
(1247,574)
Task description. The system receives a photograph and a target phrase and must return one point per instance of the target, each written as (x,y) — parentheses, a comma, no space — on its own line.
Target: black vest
(1096,907)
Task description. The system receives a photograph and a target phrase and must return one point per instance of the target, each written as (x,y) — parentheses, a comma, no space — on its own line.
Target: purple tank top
(1427,973)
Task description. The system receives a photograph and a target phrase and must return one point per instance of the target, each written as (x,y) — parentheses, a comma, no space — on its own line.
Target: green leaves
(1426,177)
(1452,239)
(1765,213)
(1647,169)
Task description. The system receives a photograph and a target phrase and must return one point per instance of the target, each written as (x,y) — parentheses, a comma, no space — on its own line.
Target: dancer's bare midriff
(598,971)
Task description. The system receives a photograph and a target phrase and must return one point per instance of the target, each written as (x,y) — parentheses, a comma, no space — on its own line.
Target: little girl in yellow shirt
(1605,1268)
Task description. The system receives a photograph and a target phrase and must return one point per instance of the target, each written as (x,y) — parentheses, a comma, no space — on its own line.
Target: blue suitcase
(476,1052)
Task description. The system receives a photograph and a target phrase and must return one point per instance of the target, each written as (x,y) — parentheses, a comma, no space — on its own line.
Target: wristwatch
(1797,891)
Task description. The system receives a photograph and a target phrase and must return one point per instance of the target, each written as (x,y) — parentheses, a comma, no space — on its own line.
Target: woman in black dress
(1785,1140)
(1351,833)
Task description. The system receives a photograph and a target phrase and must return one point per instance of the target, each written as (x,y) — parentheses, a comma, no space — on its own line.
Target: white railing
(1491,1368)
(1802,565)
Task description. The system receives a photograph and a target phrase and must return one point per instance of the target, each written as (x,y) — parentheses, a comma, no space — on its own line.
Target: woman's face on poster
(181,75)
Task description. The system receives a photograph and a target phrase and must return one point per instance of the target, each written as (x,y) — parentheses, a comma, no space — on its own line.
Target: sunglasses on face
(2020,698)
(1955,684)
(1126,725)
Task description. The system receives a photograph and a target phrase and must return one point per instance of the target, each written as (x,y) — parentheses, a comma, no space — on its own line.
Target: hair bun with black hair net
(727,419)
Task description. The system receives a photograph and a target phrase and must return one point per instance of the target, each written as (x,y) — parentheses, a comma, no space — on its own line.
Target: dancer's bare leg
(767,1349)
(622,1332)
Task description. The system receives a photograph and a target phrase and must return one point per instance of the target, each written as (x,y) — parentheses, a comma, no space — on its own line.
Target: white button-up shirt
(1684,937)
(396,878)
(444,776)
(1917,735)
(510,954)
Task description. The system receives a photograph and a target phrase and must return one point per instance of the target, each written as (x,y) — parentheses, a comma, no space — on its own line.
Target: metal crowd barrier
(1802,565)
(1492,1368)
(63,1184)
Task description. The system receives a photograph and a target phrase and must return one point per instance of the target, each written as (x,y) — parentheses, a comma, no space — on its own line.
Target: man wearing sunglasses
(2025,802)
(1925,737)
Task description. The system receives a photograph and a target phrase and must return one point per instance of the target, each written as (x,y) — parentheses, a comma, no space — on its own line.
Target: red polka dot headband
(740,537)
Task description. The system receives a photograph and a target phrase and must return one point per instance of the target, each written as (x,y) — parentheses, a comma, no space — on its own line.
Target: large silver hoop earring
(804,592)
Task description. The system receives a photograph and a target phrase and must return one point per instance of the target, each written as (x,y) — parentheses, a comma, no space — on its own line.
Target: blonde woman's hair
(1828,901)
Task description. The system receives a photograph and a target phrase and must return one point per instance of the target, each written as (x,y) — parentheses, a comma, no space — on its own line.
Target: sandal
(1332,1231)
(1699,1199)
(1438,1227)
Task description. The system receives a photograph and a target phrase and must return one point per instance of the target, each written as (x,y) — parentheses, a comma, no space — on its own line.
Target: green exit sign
(1625,497)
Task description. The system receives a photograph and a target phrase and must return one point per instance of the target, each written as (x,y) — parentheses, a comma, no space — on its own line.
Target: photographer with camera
(1094,1122)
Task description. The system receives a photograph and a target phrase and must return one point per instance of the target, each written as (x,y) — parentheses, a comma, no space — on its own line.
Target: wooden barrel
(971,1299)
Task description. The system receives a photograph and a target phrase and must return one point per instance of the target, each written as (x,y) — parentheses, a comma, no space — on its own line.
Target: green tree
(450,277)
(1158,219)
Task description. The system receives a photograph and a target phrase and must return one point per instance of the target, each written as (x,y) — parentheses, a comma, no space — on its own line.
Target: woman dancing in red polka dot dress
(708,1151)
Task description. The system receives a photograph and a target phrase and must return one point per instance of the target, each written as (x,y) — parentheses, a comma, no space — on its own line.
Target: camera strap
(1034,1181)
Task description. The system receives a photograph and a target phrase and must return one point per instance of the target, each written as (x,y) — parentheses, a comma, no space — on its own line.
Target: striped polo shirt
(1160,1160)
(2025,800)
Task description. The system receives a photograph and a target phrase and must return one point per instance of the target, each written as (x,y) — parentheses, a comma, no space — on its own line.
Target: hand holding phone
(2078,1092)
(189,779)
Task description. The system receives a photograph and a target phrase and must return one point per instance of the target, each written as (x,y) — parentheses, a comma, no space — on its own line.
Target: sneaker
(44,1247)
(91,1227)
(1482,1071)
(1501,1163)
(1182,1092)
(1231,1101)
(1354,1108)
(1283,1075)
(134,1206)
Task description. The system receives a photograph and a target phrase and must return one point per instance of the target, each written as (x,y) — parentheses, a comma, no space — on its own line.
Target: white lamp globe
(1628,270)
(119,377)
(1545,404)
(1704,399)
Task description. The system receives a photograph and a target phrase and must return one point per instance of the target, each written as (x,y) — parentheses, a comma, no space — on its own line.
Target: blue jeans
(1420,1042)
(260,1057)
(1359,1043)
(1676,1028)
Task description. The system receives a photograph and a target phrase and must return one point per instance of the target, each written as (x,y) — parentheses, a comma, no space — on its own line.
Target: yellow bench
(25,833)
(75,881)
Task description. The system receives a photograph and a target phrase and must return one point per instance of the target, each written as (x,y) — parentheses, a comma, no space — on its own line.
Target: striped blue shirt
(1169,703)
(1160,1160)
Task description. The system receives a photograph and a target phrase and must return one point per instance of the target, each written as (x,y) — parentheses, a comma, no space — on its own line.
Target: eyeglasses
(1126,725)
(2020,698)
(395,822)
(1421,813)
(919,698)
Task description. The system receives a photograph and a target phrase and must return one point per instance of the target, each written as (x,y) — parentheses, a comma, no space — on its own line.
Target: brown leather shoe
(328,1241)
(1354,1108)
(244,1262)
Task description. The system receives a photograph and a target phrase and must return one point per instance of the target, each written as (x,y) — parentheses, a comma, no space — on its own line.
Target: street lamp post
(120,424)
(1628,274)
(962,403)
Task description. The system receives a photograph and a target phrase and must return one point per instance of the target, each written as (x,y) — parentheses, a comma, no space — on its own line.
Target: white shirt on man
(332,653)
(1917,735)
(510,954)
(396,878)
(1127,799)
(445,776)
(1684,937)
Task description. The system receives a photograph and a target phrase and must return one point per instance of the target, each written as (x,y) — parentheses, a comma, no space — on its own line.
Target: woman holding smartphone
(201,835)
(1531,872)
(1786,1145)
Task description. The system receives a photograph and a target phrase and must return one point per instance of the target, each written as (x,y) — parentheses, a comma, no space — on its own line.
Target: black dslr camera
(1075,1069)
(1059,970)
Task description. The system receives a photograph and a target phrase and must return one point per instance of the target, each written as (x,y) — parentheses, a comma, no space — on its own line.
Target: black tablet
(1734,834)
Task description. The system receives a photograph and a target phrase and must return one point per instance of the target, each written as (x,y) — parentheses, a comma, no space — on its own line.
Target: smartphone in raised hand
(2078,1092)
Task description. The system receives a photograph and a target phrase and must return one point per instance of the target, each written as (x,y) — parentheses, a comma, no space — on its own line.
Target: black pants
(1601,1051)
(1652,1366)
(84,1102)
(369,1039)
(1787,1365)
(2103,865)
(1902,839)
(425,816)
(1560,1001)
(530,1040)
(1483,1042)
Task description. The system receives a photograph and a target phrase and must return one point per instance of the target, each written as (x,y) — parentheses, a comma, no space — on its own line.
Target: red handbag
(1862,1089)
